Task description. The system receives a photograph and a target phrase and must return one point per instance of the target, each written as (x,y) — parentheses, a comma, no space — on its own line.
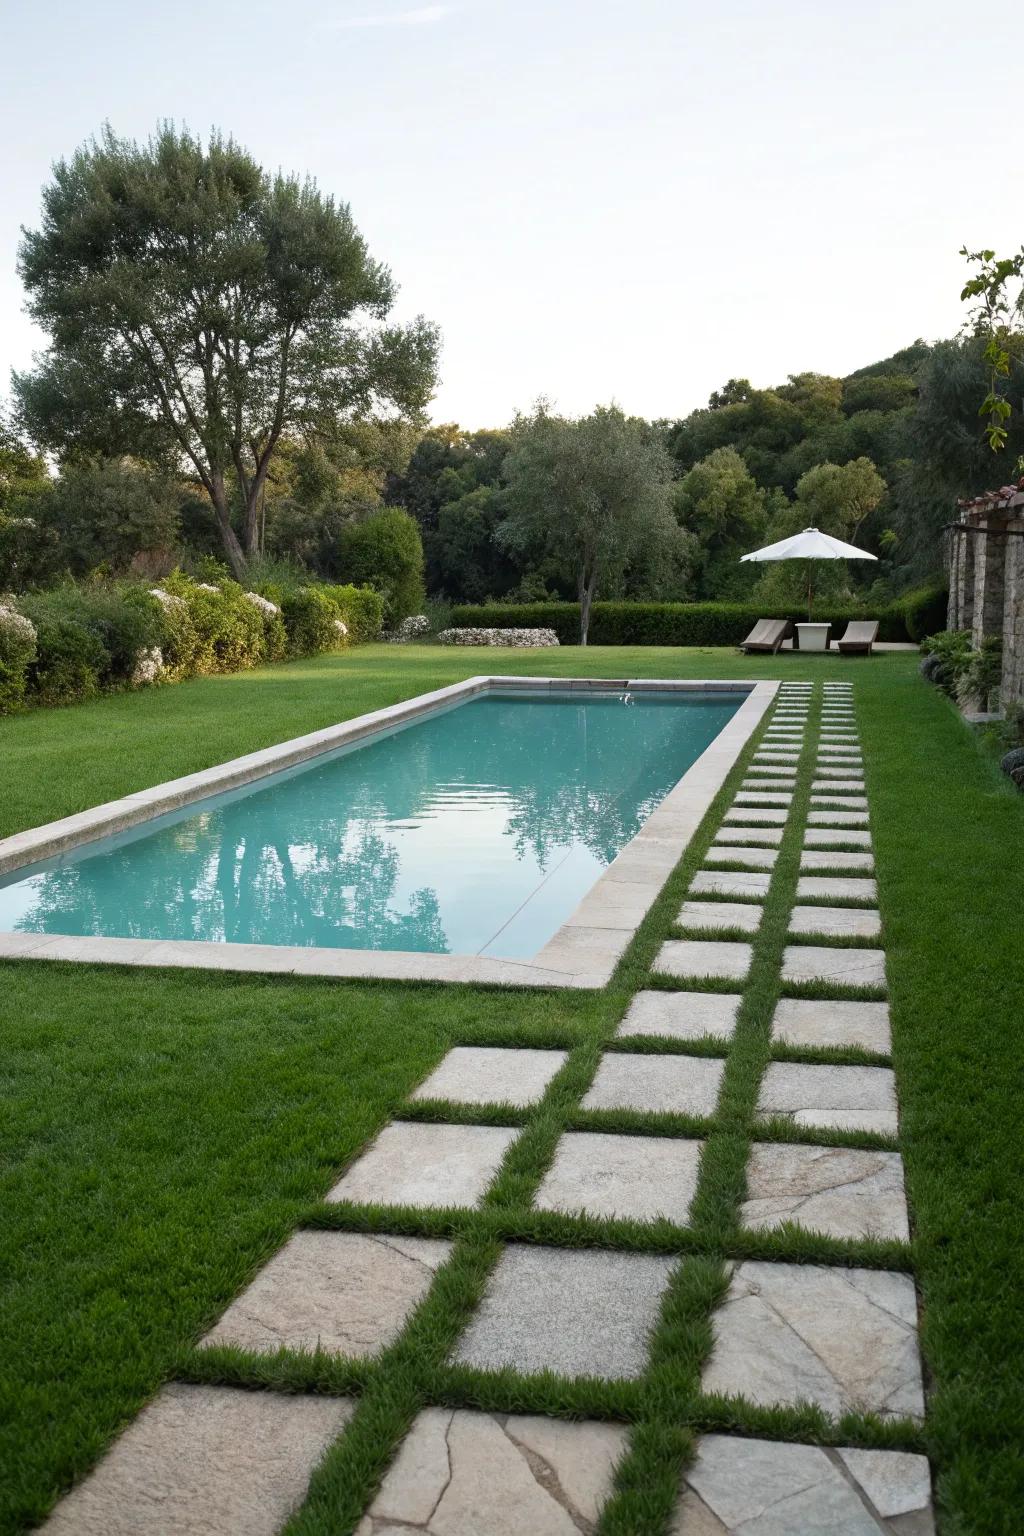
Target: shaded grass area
(166,1131)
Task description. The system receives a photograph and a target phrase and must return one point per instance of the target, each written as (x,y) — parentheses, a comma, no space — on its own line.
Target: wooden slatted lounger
(767,635)
(859,638)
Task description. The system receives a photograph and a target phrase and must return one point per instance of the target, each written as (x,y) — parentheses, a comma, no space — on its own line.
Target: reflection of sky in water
(473,831)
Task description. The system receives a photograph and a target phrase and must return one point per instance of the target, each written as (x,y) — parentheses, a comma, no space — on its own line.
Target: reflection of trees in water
(203,883)
(309,861)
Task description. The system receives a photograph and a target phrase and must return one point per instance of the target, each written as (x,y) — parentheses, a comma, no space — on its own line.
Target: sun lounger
(767,635)
(859,638)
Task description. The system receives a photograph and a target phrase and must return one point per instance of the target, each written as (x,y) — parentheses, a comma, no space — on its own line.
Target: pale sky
(621,199)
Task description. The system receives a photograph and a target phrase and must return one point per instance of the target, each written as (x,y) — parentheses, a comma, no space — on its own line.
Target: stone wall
(986,581)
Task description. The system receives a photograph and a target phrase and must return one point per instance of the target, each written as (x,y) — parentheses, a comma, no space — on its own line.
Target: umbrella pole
(810,587)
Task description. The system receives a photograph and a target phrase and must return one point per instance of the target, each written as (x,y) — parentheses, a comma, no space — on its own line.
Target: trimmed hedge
(681,624)
(361,608)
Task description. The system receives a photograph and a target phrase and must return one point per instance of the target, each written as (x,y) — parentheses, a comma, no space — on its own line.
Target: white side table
(813,637)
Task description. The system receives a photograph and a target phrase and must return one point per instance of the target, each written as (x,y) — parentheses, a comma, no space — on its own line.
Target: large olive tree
(199,310)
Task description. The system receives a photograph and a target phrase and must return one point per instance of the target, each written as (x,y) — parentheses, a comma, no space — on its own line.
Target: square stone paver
(768,1488)
(775,770)
(834,770)
(804,1021)
(848,886)
(461,1473)
(477,1074)
(840,1191)
(771,781)
(837,858)
(202,1459)
(750,858)
(836,922)
(660,1085)
(735,882)
(845,1339)
(720,914)
(827,1097)
(742,835)
(826,837)
(635,1177)
(840,801)
(574,1311)
(846,788)
(343,1292)
(703,957)
(844,967)
(682,1015)
(756,815)
(411,1164)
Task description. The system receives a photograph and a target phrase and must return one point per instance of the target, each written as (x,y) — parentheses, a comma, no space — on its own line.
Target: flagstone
(828,1097)
(837,885)
(430,1165)
(459,1472)
(841,802)
(750,887)
(703,957)
(343,1292)
(477,1074)
(837,786)
(836,859)
(805,1021)
(824,837)
(842,967)
(748,1487)
(836,922)
(679,1085)
(748,835)
(574,1311)
(202,1459)
(755,815)
(841,1191)
(779,770)
(720,914)
(763,797)
(638,1178)
(845,1339)
(681,1015)
(837,817)
(840,771)
(755,858)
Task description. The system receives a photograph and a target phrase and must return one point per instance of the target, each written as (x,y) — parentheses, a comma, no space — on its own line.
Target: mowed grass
(163,1132)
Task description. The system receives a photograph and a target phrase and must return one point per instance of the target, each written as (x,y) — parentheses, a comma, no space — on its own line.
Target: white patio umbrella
(810,545)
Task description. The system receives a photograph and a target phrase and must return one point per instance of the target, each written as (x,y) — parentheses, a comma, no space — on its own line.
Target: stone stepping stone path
(821,1158)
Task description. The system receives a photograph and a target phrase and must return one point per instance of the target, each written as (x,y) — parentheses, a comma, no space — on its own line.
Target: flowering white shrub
(340,628)
(148,668)
(519,639)
(167,600)
(204,586)
(16,625)
(412,628)
(265,606)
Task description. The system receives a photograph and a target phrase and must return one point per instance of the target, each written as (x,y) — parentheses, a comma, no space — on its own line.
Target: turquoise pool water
(475,830)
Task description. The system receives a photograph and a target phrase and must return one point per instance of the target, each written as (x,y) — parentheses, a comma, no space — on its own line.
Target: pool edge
(583,952)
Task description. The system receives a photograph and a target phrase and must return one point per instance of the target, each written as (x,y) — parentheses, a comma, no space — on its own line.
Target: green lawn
(163,1133)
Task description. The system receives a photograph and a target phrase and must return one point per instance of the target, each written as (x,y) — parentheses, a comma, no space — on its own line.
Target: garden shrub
(385,551)
(70,661)
(310,619)
(362,610)
(275,638)
(17,652)
(229,630)
(951,651)
(924,611)
(676,624)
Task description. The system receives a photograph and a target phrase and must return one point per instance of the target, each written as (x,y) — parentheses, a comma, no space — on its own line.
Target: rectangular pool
(473,830)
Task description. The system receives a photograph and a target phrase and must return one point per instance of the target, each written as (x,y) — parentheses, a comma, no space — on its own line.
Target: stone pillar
(1012,686)
(960,614)
(989,557)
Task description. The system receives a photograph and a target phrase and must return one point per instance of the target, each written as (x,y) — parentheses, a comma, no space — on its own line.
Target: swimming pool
(473,829)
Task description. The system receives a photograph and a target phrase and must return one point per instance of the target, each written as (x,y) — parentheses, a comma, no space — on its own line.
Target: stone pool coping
(582,953)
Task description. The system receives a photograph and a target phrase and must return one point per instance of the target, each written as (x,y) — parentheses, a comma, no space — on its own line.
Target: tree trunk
(232,548)
(587,583)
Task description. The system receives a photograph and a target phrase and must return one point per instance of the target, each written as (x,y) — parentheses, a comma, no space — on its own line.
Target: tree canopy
(200,310)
